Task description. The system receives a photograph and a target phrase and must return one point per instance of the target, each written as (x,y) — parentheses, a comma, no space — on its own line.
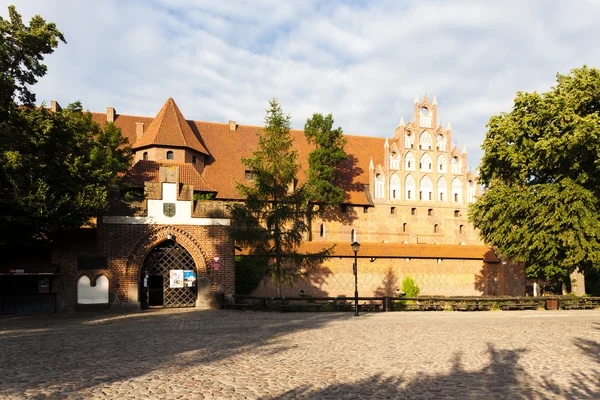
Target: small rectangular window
(430,212)
(460,229)
(393,210)
(413,211)
(365,210)
(344,208)
(456,213)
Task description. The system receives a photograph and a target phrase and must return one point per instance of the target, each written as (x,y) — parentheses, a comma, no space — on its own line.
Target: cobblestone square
(198,354)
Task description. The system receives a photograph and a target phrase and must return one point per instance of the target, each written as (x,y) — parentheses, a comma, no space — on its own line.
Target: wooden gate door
(169,262)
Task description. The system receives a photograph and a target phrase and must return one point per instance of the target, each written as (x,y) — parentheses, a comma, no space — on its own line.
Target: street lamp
(355,247)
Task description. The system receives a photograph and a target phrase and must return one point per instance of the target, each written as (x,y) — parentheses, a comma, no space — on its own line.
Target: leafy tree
(55,167)
(542,171)
(22,48)
(272,220)
(325,159)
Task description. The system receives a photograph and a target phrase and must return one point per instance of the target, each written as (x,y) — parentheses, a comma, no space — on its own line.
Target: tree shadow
(68,353)
(583,385)
(389,285)
(501,378)
(357,193)
(497,279)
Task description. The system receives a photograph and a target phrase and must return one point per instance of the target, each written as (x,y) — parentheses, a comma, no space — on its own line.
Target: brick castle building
(164,241)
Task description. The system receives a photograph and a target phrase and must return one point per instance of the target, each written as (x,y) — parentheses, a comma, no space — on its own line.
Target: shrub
(409,287)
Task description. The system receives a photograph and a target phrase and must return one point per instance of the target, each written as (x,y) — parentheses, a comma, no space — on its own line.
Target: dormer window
(169,155)
(145,156)
(249,175)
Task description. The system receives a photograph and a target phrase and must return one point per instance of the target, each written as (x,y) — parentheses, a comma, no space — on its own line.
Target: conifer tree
(272,220)
(542,171)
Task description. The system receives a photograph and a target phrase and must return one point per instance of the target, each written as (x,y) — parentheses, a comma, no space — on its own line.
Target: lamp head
(355,246)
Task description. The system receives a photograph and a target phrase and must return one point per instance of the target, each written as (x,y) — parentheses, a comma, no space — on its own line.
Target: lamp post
(355,247)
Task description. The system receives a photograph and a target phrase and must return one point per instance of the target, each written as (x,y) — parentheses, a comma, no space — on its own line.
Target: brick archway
(146,244)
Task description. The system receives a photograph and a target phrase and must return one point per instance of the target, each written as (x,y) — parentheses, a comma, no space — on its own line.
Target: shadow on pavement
(502,376)
(59,355)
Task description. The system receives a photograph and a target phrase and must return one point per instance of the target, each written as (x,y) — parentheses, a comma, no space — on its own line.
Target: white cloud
(362,62)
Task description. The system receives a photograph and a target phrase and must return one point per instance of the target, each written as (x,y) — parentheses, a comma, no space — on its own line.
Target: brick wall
(126,246)
(384,276)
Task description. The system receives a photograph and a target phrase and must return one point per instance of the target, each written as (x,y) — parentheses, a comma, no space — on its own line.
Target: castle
(165,242)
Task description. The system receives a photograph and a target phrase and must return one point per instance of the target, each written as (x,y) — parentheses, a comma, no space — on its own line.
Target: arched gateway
(168,277)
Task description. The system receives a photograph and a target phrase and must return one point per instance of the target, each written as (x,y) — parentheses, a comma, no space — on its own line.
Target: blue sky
(362,61)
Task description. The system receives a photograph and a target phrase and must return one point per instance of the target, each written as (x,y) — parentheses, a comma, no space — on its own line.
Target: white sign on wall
(176,278)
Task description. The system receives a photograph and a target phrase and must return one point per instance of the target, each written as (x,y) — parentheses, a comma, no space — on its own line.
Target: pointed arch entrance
(168,277)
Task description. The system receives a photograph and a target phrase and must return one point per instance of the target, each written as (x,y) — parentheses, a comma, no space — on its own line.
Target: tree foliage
(55,167)
(325,159)
(273,218)
(542,169)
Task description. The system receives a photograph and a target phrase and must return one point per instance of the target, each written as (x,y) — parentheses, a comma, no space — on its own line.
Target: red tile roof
(169,128)
(400,250)
(148,171)
(226,148)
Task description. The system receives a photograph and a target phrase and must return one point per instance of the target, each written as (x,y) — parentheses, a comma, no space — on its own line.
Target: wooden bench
(518,306)
(300,307)
(582,305)
(361,307)
(470,306)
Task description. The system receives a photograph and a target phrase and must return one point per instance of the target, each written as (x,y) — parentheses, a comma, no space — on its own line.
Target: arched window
(442,189)
(435,228)
(425,141)
(169,155)
(193,159)
(98,294)
(425,163)
(426,188)
(394,157)
(379,185)
(394,187)
(145,156)
(456,165)
(409,162)
(456,190)
(441,142)
(409,140)
(442,163)
(471,191)
(409,188)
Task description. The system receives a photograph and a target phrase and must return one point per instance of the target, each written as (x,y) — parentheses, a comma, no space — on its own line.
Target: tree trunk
(577,282)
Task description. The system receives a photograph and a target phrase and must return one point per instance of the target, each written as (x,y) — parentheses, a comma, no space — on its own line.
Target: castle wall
(383,277)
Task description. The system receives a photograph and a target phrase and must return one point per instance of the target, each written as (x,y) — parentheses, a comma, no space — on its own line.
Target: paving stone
(209,354)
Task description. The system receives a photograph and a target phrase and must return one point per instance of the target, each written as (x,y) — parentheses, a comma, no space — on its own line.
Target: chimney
(139,130)
(232,126)
(54,106)
(110,114)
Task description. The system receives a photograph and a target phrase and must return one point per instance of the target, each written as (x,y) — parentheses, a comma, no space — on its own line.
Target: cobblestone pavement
(195,354)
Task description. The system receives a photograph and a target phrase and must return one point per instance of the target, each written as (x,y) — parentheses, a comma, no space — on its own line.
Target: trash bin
(220,300)
(552,304)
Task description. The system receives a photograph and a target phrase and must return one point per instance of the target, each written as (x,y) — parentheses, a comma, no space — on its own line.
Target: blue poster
(189,278)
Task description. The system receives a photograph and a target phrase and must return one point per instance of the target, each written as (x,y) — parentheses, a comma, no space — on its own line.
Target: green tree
(324,161)
(541,167)
(55,167)
(271,222)
(22,50)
